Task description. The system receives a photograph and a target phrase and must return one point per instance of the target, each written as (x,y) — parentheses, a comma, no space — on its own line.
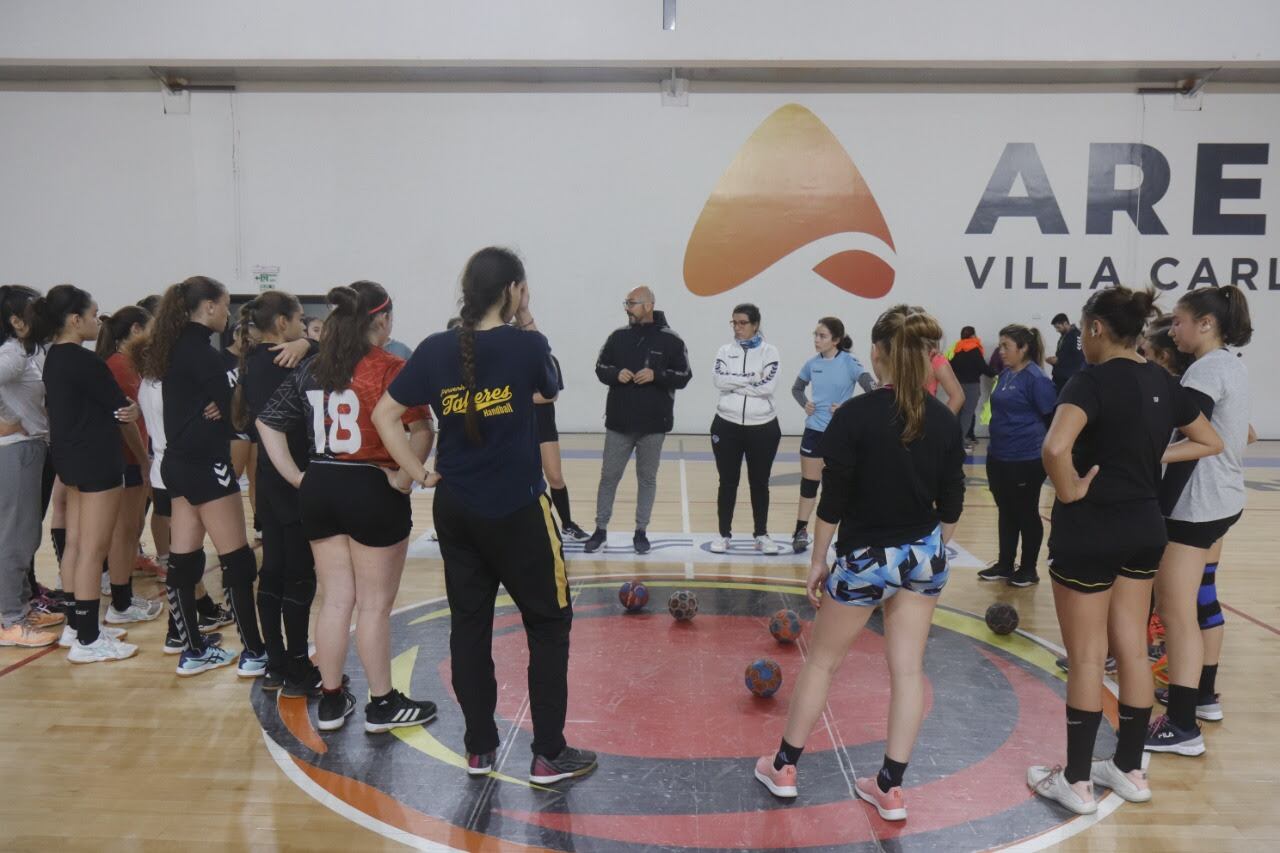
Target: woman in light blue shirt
(833,373)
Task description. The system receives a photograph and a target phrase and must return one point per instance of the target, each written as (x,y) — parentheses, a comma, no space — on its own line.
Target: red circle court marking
(650,687)
(991,786)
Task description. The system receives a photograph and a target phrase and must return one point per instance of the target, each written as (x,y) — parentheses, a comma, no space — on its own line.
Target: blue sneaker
(251,665)
(213,657)
(1164,736)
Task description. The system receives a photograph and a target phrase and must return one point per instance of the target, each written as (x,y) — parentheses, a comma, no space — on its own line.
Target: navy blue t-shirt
(504,472)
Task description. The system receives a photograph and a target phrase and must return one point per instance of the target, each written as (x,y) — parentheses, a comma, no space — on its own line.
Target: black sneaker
(1022,578)
(176,645)
(396,711)
(334,709)
(303,679)
(996,572)
(800,542)
(640,542)
(567,765)
(215,619)
(574,532)
(273,679)
(596,539)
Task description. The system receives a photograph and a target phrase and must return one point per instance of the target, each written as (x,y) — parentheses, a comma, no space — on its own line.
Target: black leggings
(1016,489)
(759,444)
(287,577)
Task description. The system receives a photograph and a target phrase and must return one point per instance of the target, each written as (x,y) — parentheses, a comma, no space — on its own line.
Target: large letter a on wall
(791,184)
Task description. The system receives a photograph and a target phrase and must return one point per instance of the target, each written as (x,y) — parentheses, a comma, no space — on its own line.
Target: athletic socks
(560,497)
(122,595)
(269,607)
(1182,706)
(87,621)
(787,754)
(297,616)
(239,569)
(1208,677)
(890,775)
(801,525)
(1082,731)
(1131,736)
(206,606)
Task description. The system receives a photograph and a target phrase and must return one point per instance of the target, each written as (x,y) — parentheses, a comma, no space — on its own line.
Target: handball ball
(785,626)
(633,595)
(1002,618)
(764,677)
(683,605)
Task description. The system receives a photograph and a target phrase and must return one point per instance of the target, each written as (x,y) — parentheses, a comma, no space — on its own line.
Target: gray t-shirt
(1216,487)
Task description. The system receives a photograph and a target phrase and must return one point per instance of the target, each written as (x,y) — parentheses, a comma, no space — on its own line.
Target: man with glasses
(644,363)
(1070,358)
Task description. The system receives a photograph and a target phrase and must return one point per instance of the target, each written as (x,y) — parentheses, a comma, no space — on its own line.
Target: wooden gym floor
(127,756)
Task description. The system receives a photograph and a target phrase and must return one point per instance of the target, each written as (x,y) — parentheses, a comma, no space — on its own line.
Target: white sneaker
(102,649)
(68,638)
(141,610)
(765,545)
(1131,786)
(719,545)
(1050,783)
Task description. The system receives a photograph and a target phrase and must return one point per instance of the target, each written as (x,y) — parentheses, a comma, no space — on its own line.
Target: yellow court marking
(500,601)
(1015,644)
(422,740)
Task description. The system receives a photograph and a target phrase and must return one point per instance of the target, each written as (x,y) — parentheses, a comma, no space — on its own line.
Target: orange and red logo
(791,184)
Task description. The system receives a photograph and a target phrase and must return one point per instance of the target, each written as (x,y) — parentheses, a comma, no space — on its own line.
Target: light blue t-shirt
(831,382)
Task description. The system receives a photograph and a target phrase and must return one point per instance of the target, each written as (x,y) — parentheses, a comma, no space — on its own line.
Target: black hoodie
(647,408)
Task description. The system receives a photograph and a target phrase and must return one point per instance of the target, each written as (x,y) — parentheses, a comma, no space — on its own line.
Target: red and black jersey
(129,381)
(340,422)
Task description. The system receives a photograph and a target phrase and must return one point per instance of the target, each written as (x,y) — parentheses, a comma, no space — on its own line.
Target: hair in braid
(485,280)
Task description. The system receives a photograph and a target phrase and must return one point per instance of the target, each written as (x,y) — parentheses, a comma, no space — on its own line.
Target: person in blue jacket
(1021,406)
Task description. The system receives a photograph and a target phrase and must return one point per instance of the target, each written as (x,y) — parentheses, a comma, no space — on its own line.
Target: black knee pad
(809,488)
(185,570)
(239,567)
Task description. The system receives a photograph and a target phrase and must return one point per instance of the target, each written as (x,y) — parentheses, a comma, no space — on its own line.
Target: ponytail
(1229,308)
(485,279)
(47,315)
(908,338)
(177,305)
(14,299)
(115,329)
(836,329)
(1024,336)
(344,340)
(258,313)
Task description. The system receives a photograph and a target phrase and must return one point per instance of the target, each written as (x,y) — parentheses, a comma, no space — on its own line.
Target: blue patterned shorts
(871,575)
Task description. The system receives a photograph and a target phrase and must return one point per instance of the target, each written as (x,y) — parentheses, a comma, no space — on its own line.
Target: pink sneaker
(889,804)
(781,783)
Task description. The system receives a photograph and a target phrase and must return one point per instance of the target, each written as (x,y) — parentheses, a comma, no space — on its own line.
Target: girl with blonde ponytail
(892,492)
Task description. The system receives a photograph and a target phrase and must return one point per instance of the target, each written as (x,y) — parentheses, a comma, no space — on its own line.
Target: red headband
(386,303)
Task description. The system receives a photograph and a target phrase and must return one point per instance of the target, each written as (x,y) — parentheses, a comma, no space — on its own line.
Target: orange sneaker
(889,803)
(781,783)
(26,635)
(148,566)
(42,621)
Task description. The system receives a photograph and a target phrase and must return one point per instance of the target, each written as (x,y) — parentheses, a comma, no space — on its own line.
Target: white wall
(577,32)
(598,191)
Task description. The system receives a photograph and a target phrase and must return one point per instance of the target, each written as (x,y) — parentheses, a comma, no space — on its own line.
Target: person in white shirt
(745,425)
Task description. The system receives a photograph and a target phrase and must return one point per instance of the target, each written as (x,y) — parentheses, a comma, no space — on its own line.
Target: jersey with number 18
(340,421)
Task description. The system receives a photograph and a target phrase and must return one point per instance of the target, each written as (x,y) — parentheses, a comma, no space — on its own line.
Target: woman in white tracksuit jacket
(746,424)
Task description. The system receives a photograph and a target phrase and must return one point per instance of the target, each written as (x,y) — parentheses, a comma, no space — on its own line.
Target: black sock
(296,616)
(801,525)
(1208,675)
(1082,731)
(269,615)
(59,535)
(1182,706)
(890,775)
(31,577)
(122,596)
(334,692)
(87,621)
(560,497)
(239,569)
(1131,736)
(787,754)
(378,700)
(206,606)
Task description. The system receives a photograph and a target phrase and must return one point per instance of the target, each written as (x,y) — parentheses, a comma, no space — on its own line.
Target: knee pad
(1208,610)
(809,488)
(185,570)
(239,567)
